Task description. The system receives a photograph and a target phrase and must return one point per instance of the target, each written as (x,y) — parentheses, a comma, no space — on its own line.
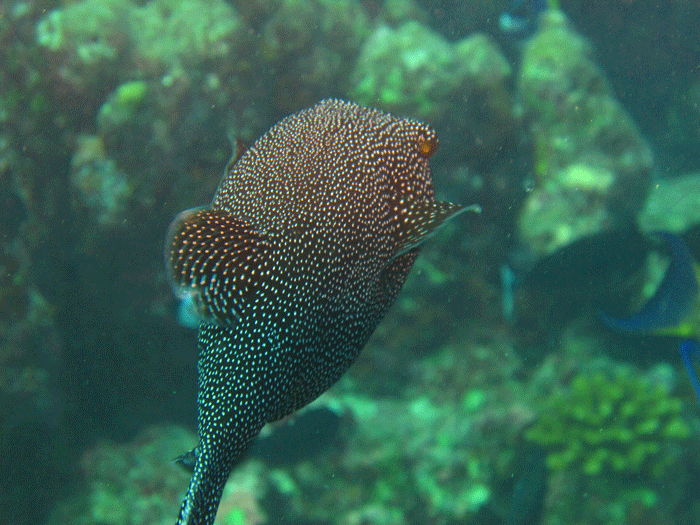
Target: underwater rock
(412,70)
(133,483)
(592,168)
(672,205)
(137,483)
(98,184)
(169,35)
(93,46)
(87,39)
(551,220)
(122,105)
(85,47)
(409,70)
(311,47)
(397,12)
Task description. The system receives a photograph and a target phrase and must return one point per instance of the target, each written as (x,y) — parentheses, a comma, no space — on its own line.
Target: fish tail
(203,495)
(688,348)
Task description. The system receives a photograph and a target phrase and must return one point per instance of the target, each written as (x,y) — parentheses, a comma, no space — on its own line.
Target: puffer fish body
(310,236)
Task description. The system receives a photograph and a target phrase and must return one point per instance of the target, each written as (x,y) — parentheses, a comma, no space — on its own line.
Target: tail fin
(203,495)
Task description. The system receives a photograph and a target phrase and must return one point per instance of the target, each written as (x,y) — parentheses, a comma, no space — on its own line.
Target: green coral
(604,422)
(94,30)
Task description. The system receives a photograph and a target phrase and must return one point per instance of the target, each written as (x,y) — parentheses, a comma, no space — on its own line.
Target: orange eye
(426,147)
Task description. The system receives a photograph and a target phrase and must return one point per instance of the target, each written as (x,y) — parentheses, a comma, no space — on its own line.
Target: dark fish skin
(307,243)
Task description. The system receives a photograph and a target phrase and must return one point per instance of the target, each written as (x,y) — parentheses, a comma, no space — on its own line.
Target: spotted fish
(308,241)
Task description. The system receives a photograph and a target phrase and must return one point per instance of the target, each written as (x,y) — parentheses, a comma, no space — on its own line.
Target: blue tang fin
(672,309)
(687,349)
(668,312)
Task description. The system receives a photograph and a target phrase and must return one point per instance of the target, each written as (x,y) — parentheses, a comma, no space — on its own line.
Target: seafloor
(491,394)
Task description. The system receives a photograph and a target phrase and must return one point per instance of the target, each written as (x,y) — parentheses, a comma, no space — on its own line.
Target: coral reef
(114,115)
(419,74)
(172,35)
(615,422)
(311,46)
(431,454)
(150,79)
(90,37)
(415,459)
(436,467)
(98,183)
(130,483)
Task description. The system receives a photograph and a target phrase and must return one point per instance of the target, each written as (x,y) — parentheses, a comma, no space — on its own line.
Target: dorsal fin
(421,220)
(218,260)
(239,148)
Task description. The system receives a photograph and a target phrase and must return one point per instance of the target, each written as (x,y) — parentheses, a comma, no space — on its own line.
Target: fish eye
(426,147)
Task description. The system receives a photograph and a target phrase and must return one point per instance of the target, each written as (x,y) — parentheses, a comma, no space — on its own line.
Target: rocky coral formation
(672,205)
(149,78)
(311,47)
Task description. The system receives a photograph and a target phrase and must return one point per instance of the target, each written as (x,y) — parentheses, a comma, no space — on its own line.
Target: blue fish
(674,308)
(308,241)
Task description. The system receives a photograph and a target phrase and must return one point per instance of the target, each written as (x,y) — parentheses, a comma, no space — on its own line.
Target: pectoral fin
(422,220)
(218,260)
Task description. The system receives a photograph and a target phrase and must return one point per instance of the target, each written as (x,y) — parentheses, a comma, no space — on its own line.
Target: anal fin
(188,459)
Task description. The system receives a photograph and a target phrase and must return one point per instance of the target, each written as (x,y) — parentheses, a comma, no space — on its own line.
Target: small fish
(309,238)
(519,20)
(668,311)
(508,281)
(674,308)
